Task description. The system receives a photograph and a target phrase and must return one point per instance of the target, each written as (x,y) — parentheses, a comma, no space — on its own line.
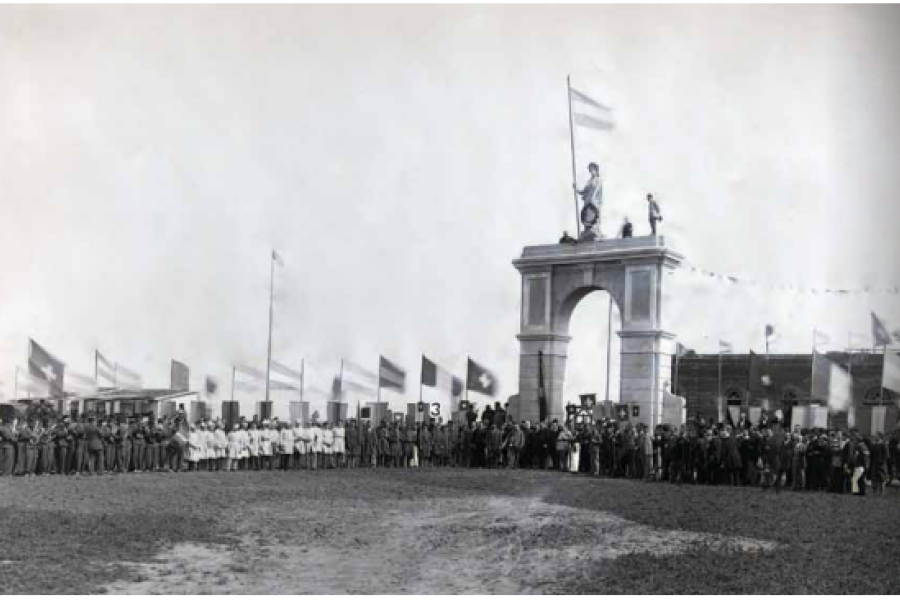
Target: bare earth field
(439,531)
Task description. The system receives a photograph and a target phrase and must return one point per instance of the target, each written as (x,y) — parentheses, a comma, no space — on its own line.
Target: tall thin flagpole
(572,144)
(608,346)
(271,309)
(467,378)
(341,384)
(16,385)
(302,376)
(232,383)
(421,364)
(720,401)
(812,375)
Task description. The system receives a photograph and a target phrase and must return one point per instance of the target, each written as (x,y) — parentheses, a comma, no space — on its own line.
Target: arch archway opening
(593,320)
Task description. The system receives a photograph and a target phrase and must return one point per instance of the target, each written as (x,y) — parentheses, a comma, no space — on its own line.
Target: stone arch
(555,278)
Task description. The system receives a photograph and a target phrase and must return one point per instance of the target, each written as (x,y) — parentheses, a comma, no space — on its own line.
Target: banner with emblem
(45,367)
(480,379)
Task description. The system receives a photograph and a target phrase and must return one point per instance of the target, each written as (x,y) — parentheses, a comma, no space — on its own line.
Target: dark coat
(731,457)
(93,437)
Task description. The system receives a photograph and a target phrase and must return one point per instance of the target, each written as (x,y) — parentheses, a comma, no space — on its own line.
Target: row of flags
(356,379)
(48,375)
(892,289)
(880,337)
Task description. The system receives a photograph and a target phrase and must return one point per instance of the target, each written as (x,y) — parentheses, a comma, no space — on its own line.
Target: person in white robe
(315,435)
(340,444)
(253,446)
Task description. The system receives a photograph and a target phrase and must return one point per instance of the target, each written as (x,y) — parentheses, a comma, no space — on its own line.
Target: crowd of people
(765,454)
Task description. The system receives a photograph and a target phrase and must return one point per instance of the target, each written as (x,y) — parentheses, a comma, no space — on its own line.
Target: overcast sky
(399,158)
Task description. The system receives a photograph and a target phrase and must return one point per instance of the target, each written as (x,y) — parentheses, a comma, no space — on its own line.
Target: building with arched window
(790,384)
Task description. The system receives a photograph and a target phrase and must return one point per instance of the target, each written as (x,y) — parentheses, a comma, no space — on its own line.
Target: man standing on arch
(654,214)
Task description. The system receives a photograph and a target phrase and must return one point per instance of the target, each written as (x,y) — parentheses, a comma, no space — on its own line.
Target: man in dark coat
(479,445)
(79,457)
(731,458)
(465,445)
(94,442)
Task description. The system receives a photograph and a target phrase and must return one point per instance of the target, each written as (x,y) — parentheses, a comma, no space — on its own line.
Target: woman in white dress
(234,448)
(220,440)
(340,444)
(328,446)
(253,446)
(299,445)
(243,443)
(265,445)
(209,449)
(195,448)
(315,444)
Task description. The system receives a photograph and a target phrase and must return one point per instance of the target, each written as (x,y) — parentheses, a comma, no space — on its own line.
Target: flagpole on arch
(572,145)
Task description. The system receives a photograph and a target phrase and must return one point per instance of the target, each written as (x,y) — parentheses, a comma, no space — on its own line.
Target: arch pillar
(554,279)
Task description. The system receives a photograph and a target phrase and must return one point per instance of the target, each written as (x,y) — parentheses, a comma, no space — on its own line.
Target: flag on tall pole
(770,337)
(45,367)
(390,376)
(78,383)
(104,369)
(180,376)
(724,348)
(590,114)
(125,377)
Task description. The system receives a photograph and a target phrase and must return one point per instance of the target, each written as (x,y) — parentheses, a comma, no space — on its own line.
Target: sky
(399,158)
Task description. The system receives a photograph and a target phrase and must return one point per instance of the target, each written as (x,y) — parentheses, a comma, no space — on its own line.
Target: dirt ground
(440,531)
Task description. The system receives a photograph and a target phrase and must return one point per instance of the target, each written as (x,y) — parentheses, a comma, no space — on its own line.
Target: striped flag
(820,338)
(26,383)
(180,376)
(587,112)
(390,376)
(105,369)
(75,382)
(292,380)
(433,375)
(725,347)
(251,379)
(355,378)
(125,377)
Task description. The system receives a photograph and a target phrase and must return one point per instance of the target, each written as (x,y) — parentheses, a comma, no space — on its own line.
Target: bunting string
(693,268)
